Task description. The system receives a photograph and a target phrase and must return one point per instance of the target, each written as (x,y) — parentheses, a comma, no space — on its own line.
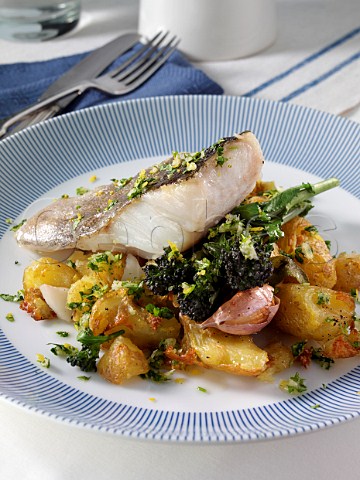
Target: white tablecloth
(314,62)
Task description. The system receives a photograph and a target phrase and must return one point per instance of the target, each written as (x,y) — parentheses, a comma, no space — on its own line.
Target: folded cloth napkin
(21,84)
(314,62)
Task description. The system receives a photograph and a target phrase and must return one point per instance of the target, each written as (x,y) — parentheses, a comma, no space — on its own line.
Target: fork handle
(36,107)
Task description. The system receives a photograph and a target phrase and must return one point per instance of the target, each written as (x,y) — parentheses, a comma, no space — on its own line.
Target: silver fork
(119,81)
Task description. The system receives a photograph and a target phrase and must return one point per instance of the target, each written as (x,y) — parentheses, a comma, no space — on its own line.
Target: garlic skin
(56,298)
(246,313)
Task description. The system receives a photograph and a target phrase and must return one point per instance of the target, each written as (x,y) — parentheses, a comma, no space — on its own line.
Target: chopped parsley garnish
(111,204)
(305,354)
(311,228)
(184,162)
(62,334)
(81,191)
(157,363)
(84,378)
(89,297)
(141,185)
(44,361)
(201,389)
(298,348)
(299,255)
(133,288)
(76,220)
(323,298)
(18,297)
(162,312)
(122,182)
(100,261)
(220,159)
(294,385)
(356,319)
(354,292)
(334,321)
(321,359)
(343,326)
(10,317)
(62,350)
(14,228)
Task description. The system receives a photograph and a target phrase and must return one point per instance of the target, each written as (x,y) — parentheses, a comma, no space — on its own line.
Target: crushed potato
(144,333)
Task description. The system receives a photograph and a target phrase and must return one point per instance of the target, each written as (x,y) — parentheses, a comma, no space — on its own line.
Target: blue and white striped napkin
(22,83)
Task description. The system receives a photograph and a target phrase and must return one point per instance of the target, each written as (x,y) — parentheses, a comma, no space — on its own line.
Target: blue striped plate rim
(291,135)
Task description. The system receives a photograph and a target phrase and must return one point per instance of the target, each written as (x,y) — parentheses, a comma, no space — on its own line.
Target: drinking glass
(37,20)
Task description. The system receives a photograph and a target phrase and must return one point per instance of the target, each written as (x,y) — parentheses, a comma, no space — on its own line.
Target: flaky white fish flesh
(175,201)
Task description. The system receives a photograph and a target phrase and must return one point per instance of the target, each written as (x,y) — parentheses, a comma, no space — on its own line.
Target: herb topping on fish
(176,201)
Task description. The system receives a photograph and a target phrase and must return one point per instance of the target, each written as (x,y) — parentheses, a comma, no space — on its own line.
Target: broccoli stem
(303,193)
(286,204)
(87,357)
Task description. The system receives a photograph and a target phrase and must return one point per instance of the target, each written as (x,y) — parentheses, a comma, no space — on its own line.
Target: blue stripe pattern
(321,78)
(55,151)
(305,62)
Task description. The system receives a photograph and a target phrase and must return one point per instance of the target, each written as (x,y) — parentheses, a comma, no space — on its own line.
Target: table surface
(36,447)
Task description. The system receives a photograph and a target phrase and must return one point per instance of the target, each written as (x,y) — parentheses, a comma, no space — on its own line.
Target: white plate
(115,140)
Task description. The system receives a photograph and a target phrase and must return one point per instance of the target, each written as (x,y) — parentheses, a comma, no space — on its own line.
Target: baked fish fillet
(175,201)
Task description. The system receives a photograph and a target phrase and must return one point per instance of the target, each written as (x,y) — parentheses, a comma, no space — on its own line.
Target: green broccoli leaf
(85,358)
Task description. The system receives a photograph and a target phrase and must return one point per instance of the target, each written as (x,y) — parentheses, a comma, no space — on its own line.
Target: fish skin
(54,227)
(177,204)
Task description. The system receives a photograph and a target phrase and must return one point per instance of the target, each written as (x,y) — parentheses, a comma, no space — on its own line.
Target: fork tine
(151,65)
(152,47)
(148,45)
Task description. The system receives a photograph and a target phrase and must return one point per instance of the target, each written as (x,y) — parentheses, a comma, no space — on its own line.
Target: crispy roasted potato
(236,354)
(79,259)
(83,294)
(104,311)
(122,361)
(342,346)
(105,267)
(117,310)
(280,358)
(309,250)
(48,271)
(347,271)
(311,312)
(35,305)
